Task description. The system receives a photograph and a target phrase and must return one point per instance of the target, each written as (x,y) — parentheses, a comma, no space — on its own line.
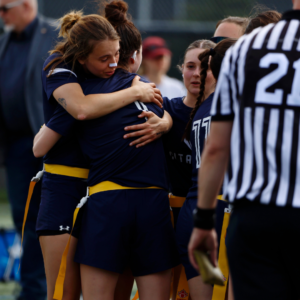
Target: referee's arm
(214,163)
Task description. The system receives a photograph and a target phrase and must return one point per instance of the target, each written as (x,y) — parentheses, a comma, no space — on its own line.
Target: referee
(255,132)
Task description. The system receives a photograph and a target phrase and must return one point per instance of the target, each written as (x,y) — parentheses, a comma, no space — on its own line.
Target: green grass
(3,196)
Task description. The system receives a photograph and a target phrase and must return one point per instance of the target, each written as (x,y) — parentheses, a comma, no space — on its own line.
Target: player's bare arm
(149,131)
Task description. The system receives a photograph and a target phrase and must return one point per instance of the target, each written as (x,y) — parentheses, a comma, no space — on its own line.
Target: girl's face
(191,69)
(99,60)
(137,61)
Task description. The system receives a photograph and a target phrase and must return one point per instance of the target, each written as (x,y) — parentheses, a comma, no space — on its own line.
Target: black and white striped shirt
(259,89)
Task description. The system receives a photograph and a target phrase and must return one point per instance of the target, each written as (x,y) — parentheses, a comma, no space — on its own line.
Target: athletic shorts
(59,198)
(185,227)
(128,228)
(176,211)
(263,251)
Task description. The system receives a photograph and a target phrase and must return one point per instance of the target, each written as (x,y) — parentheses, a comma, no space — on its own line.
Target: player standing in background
(231,27)
(256,107)
(177,151)
(196,133)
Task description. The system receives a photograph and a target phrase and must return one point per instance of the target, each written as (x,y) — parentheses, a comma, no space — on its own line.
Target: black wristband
(204,218)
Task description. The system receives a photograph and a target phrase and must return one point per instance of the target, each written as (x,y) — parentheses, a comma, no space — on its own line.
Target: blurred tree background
(180,22)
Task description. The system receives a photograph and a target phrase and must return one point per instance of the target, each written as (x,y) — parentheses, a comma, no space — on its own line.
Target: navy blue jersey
(178,152)
(67,150)
(199,132)
(110,156)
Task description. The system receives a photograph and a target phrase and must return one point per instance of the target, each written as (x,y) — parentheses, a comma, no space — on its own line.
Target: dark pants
(21,166)
(263,245)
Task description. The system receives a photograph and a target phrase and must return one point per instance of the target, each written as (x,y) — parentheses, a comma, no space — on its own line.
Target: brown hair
(242,22)
(263,19)
(201,44)
(217,54)
(131,39)
(80,34)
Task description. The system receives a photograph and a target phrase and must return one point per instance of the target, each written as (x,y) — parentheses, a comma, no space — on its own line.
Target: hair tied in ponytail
(212,52)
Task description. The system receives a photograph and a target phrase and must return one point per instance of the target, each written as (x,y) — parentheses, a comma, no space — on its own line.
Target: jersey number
(141,106)
(196,128)
(261,94)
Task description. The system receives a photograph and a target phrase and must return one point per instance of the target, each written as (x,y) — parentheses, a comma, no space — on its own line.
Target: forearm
(94,106)
(36,139)
(44,140)
(166,124)
(211,174)
(36,149)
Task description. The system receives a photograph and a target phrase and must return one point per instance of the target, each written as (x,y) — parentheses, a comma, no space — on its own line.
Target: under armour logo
(61,228)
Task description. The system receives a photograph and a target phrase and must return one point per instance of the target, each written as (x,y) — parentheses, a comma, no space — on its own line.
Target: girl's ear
(131,59)
(81,61)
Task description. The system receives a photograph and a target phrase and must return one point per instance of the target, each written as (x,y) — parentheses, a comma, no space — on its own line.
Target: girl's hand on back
(148,91)
(149,131)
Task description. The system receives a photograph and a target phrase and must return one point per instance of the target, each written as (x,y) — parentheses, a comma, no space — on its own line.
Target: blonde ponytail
(68,21)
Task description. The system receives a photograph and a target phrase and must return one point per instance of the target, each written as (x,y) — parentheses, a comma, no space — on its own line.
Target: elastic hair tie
(212,52)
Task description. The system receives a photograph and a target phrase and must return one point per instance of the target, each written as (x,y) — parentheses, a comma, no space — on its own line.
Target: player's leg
(177,270)
(230,289)
(60,196)
(104,243)
(124,286)
(98,283)
(155,286)
(199,290)
(176,277)
(154,251)
(53,248)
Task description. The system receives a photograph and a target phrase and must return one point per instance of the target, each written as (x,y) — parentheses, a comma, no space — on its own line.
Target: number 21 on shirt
(197,125)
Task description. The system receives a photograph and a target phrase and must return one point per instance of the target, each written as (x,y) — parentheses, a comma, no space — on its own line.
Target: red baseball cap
(154,46)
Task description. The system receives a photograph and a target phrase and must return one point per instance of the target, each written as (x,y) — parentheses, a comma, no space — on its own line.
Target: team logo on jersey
(182,294)
(61,228)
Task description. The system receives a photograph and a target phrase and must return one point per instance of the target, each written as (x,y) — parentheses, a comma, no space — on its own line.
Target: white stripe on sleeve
(242,59)
(260,38)
(274,37)
(290,35)
(60,70)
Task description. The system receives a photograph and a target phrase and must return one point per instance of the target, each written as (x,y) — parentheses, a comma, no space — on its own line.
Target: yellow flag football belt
(53,169)
(98,188)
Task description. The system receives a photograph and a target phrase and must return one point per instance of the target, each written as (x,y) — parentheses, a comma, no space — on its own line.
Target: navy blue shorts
(59,198)
(128,228)
(185,227)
